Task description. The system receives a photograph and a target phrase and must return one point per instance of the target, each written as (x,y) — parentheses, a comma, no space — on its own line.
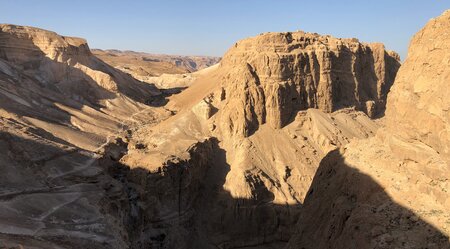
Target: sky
(210,27)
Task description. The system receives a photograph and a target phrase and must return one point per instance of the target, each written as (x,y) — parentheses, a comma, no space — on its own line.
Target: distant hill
(148,65)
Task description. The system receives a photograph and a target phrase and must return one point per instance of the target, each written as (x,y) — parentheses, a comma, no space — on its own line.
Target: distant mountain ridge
(147,64)
(294,140)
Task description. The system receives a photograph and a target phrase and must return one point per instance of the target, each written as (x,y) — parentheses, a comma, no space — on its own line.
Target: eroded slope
(59,107)
(256,105)
(391,191)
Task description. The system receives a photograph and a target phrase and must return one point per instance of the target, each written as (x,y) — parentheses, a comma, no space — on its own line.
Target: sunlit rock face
(66,63)
(272,148)
(419,105)
(391,191)
(274,75)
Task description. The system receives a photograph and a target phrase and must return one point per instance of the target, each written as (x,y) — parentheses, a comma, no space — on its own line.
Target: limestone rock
(391,190)
(275,75)
(271,148)
(419,106)
(203,109)
(61,61)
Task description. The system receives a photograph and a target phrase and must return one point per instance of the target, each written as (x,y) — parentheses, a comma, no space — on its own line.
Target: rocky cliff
(273,148)
(67,64)
(418,107)
(391,191)
(59,108)
(275,75)
(272,139)
(55,83)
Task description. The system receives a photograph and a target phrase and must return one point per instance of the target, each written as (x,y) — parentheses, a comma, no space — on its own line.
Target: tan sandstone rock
(391,191)
(269,149)
(270,141)
(274,75)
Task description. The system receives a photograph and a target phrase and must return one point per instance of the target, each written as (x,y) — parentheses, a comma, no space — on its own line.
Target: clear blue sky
(210,27)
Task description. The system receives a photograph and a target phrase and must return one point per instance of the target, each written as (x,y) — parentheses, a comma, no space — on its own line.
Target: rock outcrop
(67,64)
(419,105)
(255,194)
(391,191)
(272,148)
(55,83)
(269,78)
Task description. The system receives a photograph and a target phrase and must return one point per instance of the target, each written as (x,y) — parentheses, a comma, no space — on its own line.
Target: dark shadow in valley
(348,209)
(162,100)
(50,195)
(183,204)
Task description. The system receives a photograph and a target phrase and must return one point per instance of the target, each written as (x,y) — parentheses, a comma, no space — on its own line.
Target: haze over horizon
(294,140)
(205,28)
(210,28)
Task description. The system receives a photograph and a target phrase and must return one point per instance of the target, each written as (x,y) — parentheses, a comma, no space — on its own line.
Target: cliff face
(391,191)
(256,104)
(67,64)
(418,107)
(55,83)
(264,151)
(275,75)
(60,109)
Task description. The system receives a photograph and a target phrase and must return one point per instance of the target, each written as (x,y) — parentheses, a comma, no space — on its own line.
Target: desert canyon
(291,140)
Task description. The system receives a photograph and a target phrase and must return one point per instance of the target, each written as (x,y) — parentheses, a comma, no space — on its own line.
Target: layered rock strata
(275,75)
(391,191)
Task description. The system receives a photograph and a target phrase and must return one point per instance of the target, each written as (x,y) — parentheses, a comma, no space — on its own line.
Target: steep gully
(189,205)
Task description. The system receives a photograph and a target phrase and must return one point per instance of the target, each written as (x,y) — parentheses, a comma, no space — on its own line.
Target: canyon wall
(275,75)
(273,148)
(253,197)
(391,191)
(67,64)
(418,107)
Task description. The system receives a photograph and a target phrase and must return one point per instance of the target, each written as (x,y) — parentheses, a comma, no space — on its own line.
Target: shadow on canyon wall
(348,209)
(362,78)
(184,205)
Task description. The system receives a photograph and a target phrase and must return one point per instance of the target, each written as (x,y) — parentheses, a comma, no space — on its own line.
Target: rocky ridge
(402,173)
(278,74)
(214,168)
(268,166)
(165,71)
(55,83)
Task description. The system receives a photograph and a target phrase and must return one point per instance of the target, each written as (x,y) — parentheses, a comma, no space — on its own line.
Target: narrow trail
(89,162)
(95,154)
(123,125)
